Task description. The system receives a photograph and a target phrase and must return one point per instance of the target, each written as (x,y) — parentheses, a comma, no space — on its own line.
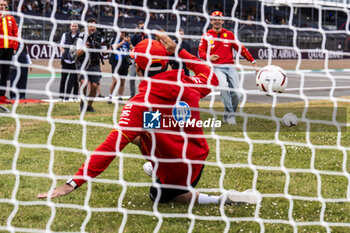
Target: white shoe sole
(230,121)
(249,196)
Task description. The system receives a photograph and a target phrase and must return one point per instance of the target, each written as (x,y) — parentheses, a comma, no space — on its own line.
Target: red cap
(217,13)
(157,49)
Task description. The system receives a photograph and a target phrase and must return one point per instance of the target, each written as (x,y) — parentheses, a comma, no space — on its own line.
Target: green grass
(69,136)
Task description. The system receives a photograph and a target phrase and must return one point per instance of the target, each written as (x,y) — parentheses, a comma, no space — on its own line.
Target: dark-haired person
(19,79)
(68,63)
(120,62)
(135,39)
(184,45)
(218,45)
(175,174)
(91,60)
(8,46)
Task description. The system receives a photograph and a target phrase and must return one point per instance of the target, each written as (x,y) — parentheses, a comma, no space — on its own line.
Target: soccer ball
(272,79)
(289,120)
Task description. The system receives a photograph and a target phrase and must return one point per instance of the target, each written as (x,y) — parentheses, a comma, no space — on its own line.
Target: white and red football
(272,79)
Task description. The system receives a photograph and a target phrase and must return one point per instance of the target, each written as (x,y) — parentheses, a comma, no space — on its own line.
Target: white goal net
(302,172)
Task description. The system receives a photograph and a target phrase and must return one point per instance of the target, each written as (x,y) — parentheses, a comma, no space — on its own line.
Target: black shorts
(93,78)
(167,194)
(123,69)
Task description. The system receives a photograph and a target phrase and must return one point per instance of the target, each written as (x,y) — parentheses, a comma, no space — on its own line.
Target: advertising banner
(46,51)
(265,53)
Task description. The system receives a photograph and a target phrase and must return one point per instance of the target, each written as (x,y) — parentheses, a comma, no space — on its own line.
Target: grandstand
(305,16)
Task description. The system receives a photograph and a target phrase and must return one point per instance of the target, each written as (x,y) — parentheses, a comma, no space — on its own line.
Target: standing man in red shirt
(8,46)
(217,46)
(178,162)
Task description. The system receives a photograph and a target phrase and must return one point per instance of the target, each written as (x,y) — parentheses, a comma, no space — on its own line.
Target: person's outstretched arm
(105,153)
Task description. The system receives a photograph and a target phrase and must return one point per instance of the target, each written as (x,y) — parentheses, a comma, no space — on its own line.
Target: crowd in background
(249,11)
(75,8)
(69,7)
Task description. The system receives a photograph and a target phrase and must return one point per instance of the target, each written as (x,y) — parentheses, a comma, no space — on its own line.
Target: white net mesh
(302,172)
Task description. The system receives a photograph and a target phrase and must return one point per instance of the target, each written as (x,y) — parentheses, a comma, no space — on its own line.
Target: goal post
(302,172)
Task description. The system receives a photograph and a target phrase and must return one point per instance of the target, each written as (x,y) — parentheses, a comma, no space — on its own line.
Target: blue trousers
(228,78)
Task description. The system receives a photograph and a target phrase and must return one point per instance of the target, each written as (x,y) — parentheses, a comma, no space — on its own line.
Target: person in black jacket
(20,81)
(184,45)
(90,60)
(135,39)
(68,63)
(120,62)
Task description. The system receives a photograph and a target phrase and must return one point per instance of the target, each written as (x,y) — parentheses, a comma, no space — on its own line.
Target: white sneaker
(148,168)
(110,100)
(231,121)
(248,196)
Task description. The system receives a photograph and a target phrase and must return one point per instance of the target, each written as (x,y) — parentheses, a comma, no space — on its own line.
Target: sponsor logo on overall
(181,112)
(151,119)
